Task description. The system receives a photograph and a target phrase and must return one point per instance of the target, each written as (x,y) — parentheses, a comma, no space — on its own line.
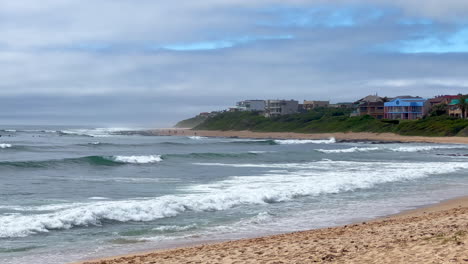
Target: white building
(251,105)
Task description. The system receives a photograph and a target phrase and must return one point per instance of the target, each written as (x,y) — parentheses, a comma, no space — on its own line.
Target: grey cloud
(49,76)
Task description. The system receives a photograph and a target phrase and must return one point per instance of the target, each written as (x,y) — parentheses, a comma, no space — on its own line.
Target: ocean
(70,194)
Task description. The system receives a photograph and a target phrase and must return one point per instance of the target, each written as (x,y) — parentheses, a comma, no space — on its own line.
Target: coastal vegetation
(328,120)
(191,122)
(463,104)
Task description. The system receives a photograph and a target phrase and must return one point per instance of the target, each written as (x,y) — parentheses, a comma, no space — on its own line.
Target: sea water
(70,194)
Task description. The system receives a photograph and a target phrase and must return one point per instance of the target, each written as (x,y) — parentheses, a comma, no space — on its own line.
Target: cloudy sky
(151,63)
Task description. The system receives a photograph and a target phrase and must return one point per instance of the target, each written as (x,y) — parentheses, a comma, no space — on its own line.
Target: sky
(150,63)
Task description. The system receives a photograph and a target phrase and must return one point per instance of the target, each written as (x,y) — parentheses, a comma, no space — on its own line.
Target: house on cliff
(454,109)
(406,108)
(281,107)
(372,105)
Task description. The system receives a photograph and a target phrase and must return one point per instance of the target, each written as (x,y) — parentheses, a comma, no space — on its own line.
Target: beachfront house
(309,105)
(251,105)
(372,105)
(441,99)
(454,109)
(281,107)
(439,104)
(345,105)
(406,108)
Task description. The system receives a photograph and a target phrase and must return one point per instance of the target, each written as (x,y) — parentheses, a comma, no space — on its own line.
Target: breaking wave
(91,132)
(300,180)
(347,150)
(96,132)
(391,148)
(260,151)
(138,159)
(225,141)
(174,228)
(423,148)
(98,198)
(89,160)
(305,141)
(197,137)
(8,130)
(121,160)
(4,146)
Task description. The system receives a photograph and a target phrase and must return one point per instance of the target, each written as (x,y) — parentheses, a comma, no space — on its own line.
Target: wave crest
(4,146)
(347,150)
(305,141)
(138,159)
(197,137)
(299,180)
(89,160)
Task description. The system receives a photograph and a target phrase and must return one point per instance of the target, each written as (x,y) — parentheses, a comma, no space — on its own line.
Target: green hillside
(327,120)
(191,122)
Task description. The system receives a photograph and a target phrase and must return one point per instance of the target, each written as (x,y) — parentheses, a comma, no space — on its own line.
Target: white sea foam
(260,218)
(244,225)
(86,132)
(300,179)
(95,132)
(347,150)
(260,151)
(128,179)
(138,159)
(304,141)
(260,165)
(405,148)
(245,140)
(175,228)
(423,148)
(98,198)
(47,207)
(4,145)
(197,137)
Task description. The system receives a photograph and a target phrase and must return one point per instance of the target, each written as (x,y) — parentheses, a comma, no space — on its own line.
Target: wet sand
(351,136)
(435,234)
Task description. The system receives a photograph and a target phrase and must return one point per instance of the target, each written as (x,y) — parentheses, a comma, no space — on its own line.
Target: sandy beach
(351,136)
(435,234)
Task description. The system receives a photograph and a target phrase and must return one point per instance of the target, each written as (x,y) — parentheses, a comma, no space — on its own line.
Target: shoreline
(416,235)
(349,136)
(434,228)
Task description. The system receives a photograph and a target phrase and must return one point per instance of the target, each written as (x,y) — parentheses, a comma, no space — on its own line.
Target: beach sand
(351,136)
(436,234)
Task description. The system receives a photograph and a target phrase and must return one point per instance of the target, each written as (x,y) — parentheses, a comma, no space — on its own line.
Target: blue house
(406,108)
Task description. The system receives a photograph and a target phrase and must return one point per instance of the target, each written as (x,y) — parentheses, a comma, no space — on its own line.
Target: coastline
(350,136)
(436,233)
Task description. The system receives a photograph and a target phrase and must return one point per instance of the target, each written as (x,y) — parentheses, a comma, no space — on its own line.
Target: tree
(439,109)
(463,104)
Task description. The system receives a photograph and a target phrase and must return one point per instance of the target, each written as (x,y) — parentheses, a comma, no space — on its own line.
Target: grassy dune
(328,120)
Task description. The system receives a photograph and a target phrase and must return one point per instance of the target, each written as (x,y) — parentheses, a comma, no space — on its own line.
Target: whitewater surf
(114,191)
